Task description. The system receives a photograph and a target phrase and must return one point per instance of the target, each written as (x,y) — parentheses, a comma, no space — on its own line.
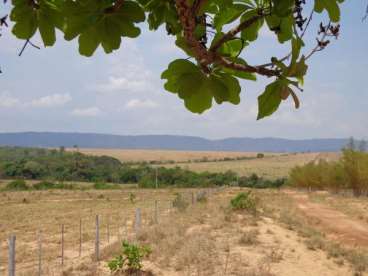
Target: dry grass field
(207,238)
(273,165)
(127,155)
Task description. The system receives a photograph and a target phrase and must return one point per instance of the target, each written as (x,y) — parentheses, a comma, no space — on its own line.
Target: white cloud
(127,73)
(8,101)
(51,100)
(137,103)
(86,112)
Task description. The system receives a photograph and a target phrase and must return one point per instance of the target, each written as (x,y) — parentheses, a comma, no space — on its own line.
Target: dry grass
(268,167)
(205,239)
(139,155)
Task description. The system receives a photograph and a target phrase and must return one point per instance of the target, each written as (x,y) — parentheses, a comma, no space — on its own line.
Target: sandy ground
(334,223)
(205,239)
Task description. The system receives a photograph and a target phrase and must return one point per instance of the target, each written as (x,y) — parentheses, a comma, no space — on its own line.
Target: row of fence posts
(137,226)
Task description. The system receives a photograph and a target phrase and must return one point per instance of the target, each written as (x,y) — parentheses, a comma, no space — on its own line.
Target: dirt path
(333,223)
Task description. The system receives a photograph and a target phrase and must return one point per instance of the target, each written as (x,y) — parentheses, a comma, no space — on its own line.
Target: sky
(56,89)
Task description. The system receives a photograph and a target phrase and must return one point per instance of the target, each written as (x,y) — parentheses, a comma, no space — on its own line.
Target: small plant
(202,197)
(179,202)
(245,201)
(132,198)
(17,185)
(249,237)
(130,257)
(44,185)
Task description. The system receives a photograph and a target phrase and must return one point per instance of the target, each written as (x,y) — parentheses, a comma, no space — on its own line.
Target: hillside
(168,142)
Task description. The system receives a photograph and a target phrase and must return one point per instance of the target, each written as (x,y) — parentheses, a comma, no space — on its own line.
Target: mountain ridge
(168,142)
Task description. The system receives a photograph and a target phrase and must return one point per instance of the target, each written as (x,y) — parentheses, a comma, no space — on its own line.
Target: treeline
(350,172)
(198,160)
(60,165)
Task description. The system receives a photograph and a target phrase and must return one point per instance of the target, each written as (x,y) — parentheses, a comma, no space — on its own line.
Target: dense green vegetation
(349,173)
(61,166)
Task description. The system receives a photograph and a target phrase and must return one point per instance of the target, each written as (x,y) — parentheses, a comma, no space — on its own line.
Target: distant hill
(169,142)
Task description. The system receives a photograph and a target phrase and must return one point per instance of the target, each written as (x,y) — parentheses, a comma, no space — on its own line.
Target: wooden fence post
(39,254)
(62,245)
(80,237)
(192,198)
(156,212)
(108,230)
(97,242)
(11,260)
(137,223)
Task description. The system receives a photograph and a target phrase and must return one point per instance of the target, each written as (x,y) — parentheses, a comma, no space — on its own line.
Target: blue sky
(56,89)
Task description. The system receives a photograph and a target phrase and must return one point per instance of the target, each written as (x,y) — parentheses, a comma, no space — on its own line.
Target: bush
(104,186)
(254,181)
(131,257)
(17,185)
(179,202)
(201,197)
(260,155)
(44,185)
(245,201)
(350,172)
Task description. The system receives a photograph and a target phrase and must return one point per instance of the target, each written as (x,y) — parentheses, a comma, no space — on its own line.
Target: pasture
(204,238)
(272,165)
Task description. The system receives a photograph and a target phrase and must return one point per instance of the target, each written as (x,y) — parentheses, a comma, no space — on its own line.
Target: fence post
(156,211)
(62,245)
(192,198)
(97,242)
(80,237)
(39,253)
(11,260)
(108,230)
(137,223)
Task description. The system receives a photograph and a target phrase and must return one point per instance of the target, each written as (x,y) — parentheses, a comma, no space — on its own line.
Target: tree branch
(197,6)
(233,32)
(246,68)
(118,4)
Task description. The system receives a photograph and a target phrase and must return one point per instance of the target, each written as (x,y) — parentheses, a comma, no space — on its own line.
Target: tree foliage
(214,34)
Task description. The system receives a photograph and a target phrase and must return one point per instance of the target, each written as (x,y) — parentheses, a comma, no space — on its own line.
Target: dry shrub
(249,237)
(198,252)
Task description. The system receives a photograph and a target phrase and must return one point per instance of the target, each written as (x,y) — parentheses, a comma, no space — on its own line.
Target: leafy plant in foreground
(245,201)
(130,257)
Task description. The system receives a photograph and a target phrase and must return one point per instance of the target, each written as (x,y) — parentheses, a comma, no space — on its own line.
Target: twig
(118,4)
(25,45)
(233,32)
(318,48)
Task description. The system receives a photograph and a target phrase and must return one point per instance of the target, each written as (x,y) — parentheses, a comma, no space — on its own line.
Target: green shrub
(350,172)
(17,185)
(179,202)
(130,257)
(245,201)
(44,185)
(104,186)
(260,155)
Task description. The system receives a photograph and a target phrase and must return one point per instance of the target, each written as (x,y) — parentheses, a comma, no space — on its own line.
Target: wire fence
(51,253)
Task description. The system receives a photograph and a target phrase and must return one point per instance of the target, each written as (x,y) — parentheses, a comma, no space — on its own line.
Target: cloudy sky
(56,89)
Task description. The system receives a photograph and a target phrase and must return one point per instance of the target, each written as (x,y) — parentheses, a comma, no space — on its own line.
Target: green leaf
(281,26)
(88,42)
(25,18)
(47,29)
(251,33)
(270,100)
(88,17)
(228,15)
(331,6)
(283,8)
(197,89)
